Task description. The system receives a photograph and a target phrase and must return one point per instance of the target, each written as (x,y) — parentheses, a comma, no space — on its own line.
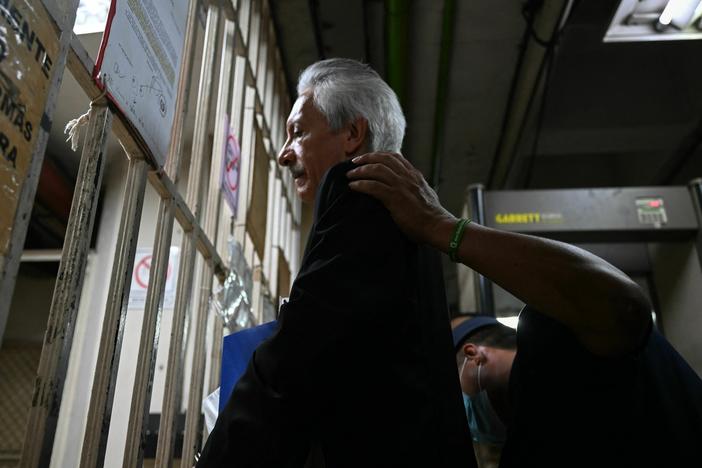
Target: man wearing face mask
(483,335)
(592,383)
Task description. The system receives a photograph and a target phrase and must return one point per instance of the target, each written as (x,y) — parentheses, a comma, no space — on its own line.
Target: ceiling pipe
(442,83)
(547,21)
(318,38)
(284,61)
(366,33)
(396,21)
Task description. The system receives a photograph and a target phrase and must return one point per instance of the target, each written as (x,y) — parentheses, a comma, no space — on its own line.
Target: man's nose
(286,156)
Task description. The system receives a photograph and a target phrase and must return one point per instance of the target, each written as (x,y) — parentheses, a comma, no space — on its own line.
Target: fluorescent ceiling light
(667,15)
(679,13)
(655,20)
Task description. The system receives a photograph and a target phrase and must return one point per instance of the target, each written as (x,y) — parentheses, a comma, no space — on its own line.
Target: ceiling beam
(448,21)
(396,20)
(544,24)
(319,42)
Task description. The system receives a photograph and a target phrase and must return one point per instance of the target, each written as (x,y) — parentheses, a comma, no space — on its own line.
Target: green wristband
(457,237)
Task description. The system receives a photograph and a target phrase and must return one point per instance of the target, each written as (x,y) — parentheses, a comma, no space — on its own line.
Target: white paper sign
(139,62)
(231,164)
(140,278)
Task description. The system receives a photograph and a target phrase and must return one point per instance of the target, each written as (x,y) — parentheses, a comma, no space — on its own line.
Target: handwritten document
(139,63)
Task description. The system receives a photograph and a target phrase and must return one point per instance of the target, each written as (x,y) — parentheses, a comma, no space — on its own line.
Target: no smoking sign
(140,278)
(231,164)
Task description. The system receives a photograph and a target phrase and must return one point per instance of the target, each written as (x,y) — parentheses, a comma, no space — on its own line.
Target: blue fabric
(237,350)
(461,332)
(484,424)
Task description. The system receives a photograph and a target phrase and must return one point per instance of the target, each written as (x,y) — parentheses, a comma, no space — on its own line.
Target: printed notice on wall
(140,278)
(139,63)
(28,50)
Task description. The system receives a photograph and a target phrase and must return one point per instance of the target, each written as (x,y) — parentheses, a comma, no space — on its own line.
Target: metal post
(269,92)
(247,144)
(171,398)
(193,417)
(253,44)
(483,286)
(262,56)
(223,234)
(107,365)
(274,222)
(48,387)
(216,354)
(244,11)
(238,96)
(695,187)
(148,345)
(104,382)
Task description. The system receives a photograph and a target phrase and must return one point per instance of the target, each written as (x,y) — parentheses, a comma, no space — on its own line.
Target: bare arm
(606,310)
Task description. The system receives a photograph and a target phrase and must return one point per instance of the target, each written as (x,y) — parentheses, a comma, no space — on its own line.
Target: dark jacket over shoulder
(574,409)
(362,365)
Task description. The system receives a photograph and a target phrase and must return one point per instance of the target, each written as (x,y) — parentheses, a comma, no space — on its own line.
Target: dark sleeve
(351,274)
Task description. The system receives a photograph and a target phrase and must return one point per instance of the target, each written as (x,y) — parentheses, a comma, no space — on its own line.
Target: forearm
(567,283)
(538,271)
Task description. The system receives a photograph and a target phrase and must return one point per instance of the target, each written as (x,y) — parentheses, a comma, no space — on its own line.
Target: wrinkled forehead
(302,103)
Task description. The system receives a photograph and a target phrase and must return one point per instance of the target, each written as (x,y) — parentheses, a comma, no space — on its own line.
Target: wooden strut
(58,339)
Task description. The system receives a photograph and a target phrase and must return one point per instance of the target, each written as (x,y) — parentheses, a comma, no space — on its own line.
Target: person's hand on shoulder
(412,203)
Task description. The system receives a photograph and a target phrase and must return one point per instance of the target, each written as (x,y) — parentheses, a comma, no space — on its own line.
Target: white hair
(344,90)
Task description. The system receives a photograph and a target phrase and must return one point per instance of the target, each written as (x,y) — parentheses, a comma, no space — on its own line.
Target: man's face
(311,147)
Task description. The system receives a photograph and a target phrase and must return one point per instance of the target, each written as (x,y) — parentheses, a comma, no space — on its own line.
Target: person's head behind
(496,336)
(483,341)
(344,109)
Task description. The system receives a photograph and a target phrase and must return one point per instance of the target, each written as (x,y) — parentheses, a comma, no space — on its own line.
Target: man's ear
(474,352)
(355,136)
(470,351)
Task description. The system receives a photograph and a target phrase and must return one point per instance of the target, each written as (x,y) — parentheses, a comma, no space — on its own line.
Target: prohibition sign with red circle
(141,271)
(232,167)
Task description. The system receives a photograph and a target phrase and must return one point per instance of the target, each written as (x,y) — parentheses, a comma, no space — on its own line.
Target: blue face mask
(485,426)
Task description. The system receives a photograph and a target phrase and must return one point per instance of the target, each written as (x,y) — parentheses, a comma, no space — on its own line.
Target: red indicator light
(654,203)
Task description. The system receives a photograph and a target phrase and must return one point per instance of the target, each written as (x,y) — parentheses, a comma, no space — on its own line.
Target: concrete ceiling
(603,114)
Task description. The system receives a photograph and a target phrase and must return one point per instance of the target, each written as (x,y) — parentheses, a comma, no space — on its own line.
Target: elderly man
(361,371)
